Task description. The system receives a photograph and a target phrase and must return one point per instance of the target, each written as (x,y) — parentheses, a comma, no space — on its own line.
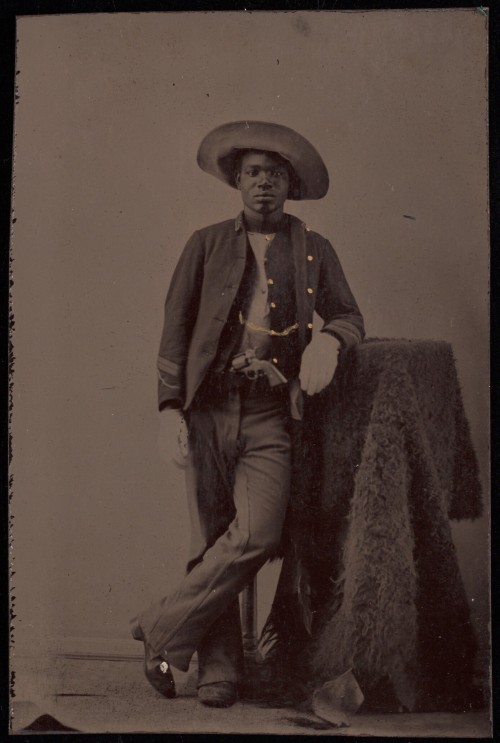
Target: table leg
(249,619)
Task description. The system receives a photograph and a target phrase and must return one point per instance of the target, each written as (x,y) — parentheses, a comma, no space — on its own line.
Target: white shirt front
(258,322)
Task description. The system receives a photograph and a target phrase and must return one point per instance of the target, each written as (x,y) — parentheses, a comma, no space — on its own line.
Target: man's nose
(264,178)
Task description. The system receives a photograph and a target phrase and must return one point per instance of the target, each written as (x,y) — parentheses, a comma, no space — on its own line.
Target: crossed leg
(201,613)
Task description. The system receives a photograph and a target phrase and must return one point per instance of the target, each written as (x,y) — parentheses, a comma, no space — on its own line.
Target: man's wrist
(333,338)
(171,406)
(171,414)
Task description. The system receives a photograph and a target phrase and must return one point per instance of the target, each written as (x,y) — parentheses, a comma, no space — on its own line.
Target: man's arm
(181,309)
(343,326)
(335,302)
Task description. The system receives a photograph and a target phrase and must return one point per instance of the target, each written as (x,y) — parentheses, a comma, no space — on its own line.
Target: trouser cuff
(178,660)
(215,674)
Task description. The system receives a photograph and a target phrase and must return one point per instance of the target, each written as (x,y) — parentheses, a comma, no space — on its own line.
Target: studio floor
(110,695)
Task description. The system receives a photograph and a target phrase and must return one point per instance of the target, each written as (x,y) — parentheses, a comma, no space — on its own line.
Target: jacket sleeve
(181,309)
(335,303)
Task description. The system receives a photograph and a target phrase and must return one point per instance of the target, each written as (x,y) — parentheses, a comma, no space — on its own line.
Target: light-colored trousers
(203,613)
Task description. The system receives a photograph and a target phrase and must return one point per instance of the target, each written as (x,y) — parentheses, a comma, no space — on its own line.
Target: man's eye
(253,172)
(278,173)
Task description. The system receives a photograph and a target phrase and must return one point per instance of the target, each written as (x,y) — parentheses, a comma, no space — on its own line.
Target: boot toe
(158,673)
(219,694)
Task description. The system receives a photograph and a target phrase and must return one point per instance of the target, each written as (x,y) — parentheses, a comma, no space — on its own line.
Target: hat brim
(219,148)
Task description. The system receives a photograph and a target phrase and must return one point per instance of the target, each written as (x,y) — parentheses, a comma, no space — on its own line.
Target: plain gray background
(107,191)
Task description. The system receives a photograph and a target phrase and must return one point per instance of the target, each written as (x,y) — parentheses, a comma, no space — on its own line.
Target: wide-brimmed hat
(218,150)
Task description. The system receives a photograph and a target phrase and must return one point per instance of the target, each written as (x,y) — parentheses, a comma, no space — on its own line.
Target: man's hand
(319,362)
(173,437)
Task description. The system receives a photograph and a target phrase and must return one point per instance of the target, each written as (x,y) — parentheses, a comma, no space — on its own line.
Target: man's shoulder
(219,228)
(310,233)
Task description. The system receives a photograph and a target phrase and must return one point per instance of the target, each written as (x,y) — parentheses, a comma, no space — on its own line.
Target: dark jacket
(204,292)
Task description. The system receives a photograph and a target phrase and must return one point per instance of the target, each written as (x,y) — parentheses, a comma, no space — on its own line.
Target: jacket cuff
(170,405)
(170,384)
(167,366)
(347,333)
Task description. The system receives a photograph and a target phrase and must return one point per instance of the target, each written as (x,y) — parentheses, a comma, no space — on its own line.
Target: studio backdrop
(110,109)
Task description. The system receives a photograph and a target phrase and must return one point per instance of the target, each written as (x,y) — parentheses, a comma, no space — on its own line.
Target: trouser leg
(176,626)
(220,653)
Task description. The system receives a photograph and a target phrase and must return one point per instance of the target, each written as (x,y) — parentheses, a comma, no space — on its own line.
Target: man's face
(263,181)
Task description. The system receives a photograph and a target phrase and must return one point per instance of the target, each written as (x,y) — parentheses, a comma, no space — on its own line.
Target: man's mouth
(264,196)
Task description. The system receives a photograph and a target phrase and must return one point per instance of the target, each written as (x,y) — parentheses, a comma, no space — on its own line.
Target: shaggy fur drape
(370,580)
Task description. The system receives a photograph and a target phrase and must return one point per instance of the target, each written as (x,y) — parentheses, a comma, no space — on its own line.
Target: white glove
(319,362)
(173,437)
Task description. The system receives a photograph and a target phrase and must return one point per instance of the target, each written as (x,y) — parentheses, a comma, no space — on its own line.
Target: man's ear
(237,179)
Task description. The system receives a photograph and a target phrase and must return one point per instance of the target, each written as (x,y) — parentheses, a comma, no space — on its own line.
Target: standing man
(237,353)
